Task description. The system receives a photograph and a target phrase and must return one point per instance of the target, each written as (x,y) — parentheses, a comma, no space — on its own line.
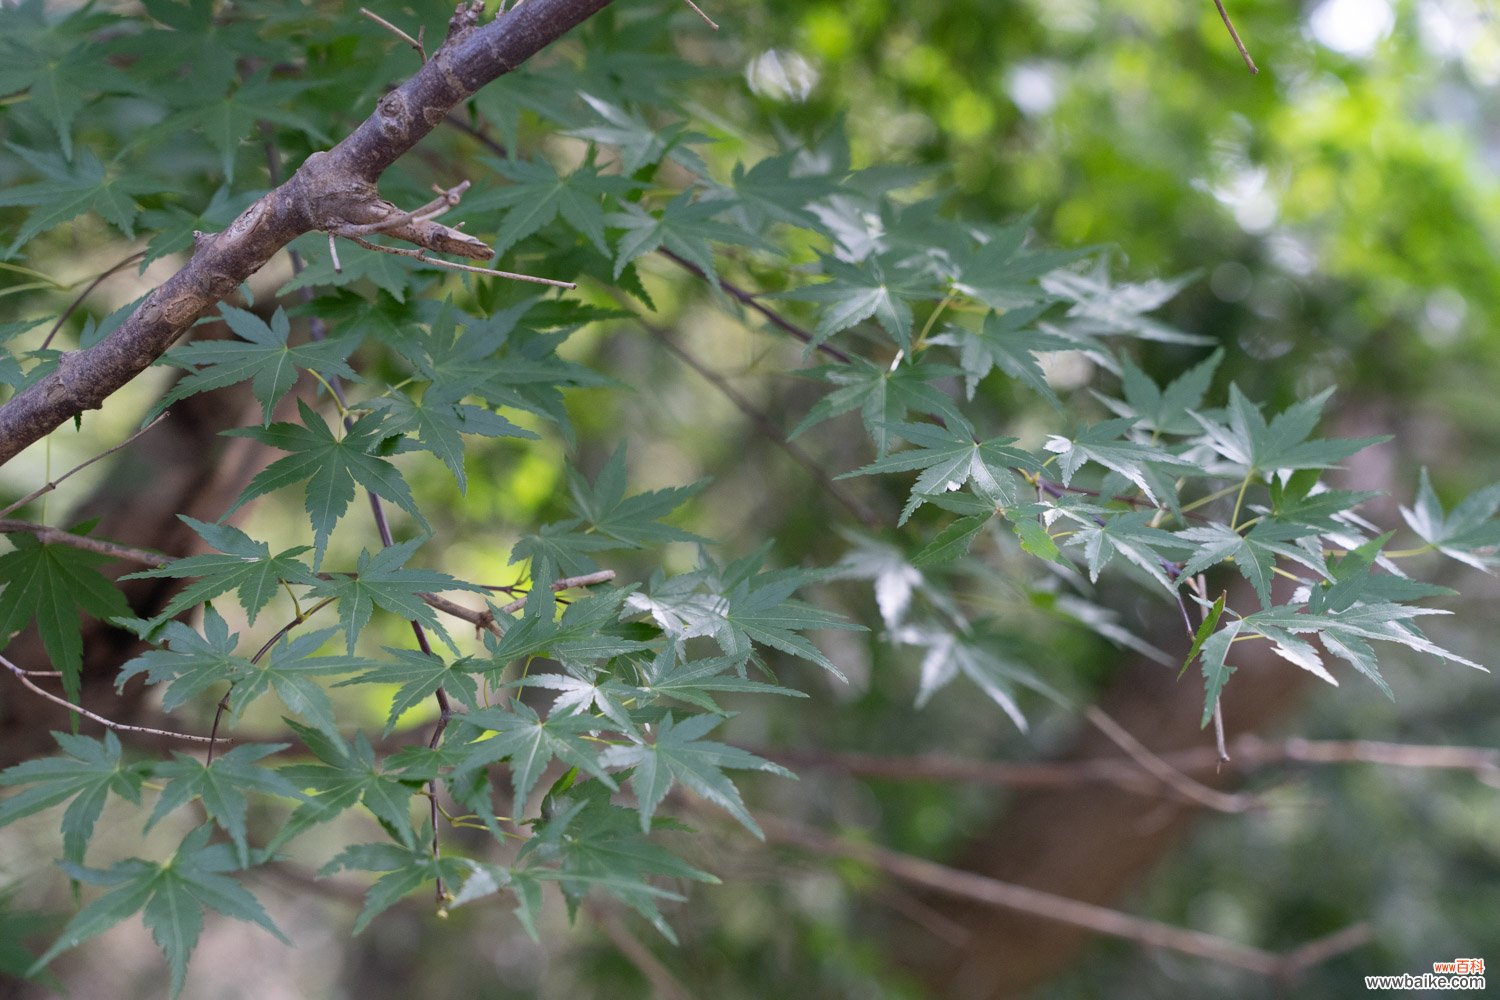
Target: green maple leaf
(775,190)
(1101,306)
(290,671)
(538,195)
(263,356)
(951,457)
(632,521)
(759,608)
(560,549)
(947,656)
(588,630)
(669,675)
(69,190)
(382,580)
(190,663)
(598,845)
(879,286)
(1345,633)
(1259,447)
(1163,410)
(529,743)
(406,868)
(48,585)
(57,64)
(1254,553)
(586,691)
(419,676)
(1129,534)
(331,465)
(1103,444)
(88,774)
(221,785)
(679,754)
(685,227)
(245,566)
(1008,341)
(396,275)
(1470,534)
(347,775)
(1003,274)
(227,118)
(440,422)
(640,143)
(885,396)
(170,896)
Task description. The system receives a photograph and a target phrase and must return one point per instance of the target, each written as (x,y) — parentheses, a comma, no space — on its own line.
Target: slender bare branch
(1098,919)
(1166,773)
(663,984)
(699,11)
(44,490)
(388,26)
(57,536)
(122,727)
(486,621)
(767,427)
(421,255)
(89,290)
(1244,53)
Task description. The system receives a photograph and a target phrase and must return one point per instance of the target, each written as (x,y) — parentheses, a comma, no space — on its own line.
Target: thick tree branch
(332,189)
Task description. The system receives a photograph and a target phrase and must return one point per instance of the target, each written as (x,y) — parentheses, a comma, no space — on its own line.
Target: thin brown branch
(57,536)
(422,256)
(749,300)
(664,985)
(766,426)
(73,306)
(122,727)
(486,621)
(699,11)
(1244,53)
(44,490)
(1007,895)
(1250,753)
(1168,775)
(388,26)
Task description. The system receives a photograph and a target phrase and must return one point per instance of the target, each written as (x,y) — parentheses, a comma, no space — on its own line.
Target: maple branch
(20,675)
(49,487)
(1098,919)
(415,43)
(1244,53)
(1251,753)
(1166,773)
(486,621)
(331,188)
(48,535)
